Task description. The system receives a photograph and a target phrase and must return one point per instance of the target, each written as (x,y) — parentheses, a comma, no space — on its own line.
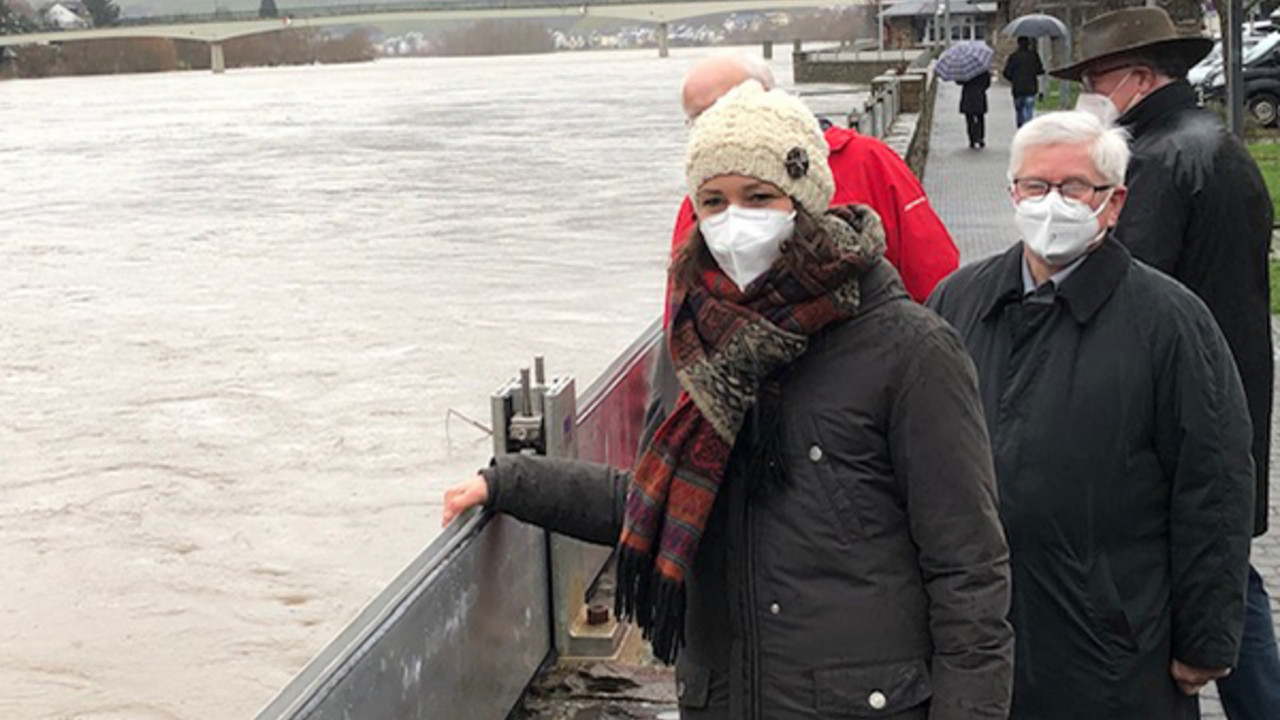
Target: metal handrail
(880,111)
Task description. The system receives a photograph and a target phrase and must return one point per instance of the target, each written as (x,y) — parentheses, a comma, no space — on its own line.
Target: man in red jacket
(866,171)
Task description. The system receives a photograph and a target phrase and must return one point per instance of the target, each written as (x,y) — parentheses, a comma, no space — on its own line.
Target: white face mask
(1058,230)
(746,241)
(1099,106)
(1103,107)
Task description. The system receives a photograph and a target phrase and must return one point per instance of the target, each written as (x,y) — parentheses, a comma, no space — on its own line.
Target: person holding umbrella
(973,104)
(1024,68)
(1023,71)
(969,64)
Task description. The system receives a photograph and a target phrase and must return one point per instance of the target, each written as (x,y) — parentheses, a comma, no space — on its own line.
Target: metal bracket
(539,417)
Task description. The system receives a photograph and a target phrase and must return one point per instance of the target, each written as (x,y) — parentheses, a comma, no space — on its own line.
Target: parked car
(1212,63)
(1205,69)
(1261,80)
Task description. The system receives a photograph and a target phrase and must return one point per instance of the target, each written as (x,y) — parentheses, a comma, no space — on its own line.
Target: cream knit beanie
(771,136)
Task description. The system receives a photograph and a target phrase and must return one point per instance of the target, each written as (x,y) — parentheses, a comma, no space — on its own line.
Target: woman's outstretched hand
(463,496)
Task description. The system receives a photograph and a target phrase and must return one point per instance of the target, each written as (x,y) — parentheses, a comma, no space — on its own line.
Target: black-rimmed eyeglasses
(1073,189)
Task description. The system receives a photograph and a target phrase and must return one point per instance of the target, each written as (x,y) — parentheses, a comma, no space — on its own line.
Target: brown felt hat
(1126,31)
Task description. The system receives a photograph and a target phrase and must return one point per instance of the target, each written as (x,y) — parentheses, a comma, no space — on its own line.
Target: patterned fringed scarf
(724,345)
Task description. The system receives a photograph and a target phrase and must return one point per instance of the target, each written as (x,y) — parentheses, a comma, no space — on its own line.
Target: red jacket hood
(838,137)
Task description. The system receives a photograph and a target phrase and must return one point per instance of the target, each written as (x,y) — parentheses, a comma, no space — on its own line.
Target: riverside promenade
(967,188)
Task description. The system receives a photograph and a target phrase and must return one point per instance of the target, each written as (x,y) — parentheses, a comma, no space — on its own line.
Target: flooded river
(234,313)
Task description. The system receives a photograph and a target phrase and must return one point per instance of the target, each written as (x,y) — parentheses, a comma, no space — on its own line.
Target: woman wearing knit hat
(812,531)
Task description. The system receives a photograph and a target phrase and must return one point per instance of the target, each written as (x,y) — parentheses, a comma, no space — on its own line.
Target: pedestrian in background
(1023,70)
(973,104)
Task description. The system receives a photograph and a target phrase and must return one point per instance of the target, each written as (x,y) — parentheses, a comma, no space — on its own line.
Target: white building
(60,17)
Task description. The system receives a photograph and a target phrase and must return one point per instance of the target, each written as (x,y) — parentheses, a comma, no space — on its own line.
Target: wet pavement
(602,691)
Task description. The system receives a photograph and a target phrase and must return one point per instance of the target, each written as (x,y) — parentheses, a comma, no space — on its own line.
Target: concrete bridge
(215,29)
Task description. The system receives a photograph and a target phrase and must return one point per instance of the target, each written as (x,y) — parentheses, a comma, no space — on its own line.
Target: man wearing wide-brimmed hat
(1199,210)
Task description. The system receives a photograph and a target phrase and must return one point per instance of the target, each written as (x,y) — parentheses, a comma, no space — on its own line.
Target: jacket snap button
(775,608)
(815,453)
(680,689)
(877,700)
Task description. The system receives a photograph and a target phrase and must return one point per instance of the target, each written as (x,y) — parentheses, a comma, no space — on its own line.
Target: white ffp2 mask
(1104,107)
(1099,106)
(1058,230)
(745,242)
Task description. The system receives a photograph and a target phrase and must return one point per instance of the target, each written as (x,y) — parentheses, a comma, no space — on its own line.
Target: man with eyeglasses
(1121,442)
(1198,210)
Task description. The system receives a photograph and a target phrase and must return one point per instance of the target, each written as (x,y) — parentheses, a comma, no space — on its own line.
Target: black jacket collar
(1085,291)
(1178,95)
(879,285)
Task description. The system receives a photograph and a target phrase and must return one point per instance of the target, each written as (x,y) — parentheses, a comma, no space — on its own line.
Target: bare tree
(7,19)
(104,12)
(13,19)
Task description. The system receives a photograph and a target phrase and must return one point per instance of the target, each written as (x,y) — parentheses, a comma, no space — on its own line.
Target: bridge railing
(379,8)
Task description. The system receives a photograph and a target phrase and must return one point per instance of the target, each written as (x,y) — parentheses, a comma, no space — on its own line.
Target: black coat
(876,572)
(1121,445)
(973,95)
(1199,210)
(1023,70)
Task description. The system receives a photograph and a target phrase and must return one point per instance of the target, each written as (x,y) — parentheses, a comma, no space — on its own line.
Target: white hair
(1108,145)
(753,65)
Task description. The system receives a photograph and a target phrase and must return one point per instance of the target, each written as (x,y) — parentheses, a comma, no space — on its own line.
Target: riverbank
(149,55)
(400,38)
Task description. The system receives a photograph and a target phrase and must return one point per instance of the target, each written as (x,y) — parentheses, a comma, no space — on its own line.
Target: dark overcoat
(872,581)
(1121,444)
(1198,209)
(1023,71)
(973,95)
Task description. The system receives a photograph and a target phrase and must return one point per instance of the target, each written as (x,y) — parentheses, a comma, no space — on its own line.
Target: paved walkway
(967,188)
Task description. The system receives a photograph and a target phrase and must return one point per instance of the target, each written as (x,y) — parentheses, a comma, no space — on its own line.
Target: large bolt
(526,397)
(597,614)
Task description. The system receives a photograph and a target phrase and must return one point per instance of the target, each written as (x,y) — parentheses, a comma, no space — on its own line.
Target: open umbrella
(1036,26)
(964,61)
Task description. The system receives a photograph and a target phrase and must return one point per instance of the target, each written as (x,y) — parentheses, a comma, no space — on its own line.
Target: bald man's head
(714,76)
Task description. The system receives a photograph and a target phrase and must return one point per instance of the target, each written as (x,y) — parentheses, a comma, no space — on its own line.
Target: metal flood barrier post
(531,415)
(464,628)
(880,111)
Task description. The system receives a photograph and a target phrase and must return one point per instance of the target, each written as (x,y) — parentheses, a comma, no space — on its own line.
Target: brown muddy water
(234,313)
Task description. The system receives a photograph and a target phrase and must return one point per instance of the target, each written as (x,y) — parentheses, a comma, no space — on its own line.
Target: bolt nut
(597,614)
